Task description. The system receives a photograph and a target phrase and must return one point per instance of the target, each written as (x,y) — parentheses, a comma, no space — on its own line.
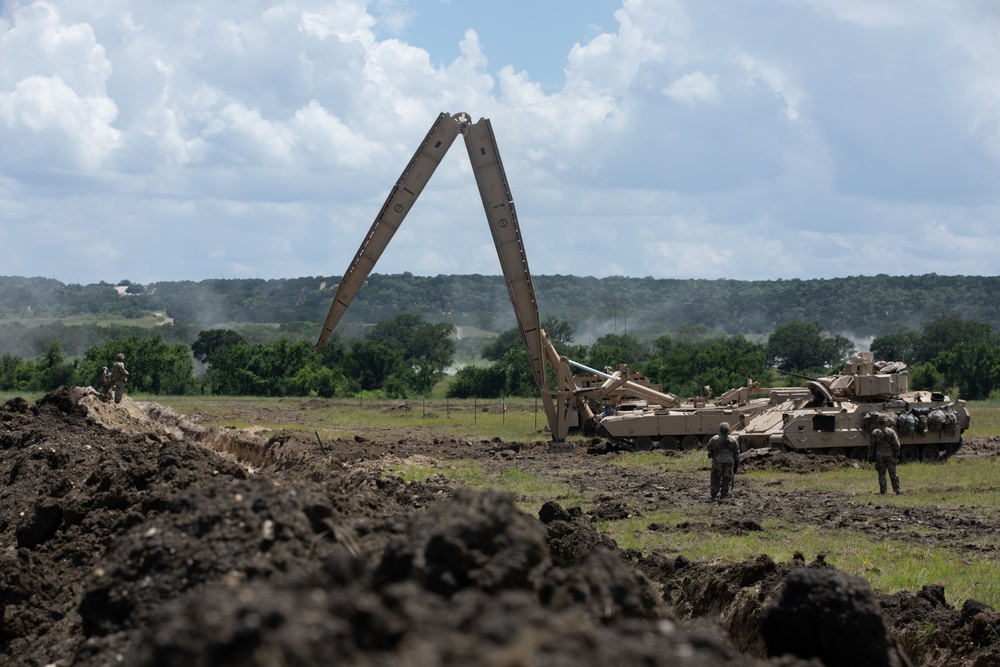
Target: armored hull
(683,427)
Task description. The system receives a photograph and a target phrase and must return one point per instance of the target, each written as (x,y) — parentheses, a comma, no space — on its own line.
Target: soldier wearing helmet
(724,450)
(883,450)
(105,384)
(119,376)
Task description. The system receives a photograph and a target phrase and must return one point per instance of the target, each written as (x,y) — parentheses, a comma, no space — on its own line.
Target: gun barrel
(797,375)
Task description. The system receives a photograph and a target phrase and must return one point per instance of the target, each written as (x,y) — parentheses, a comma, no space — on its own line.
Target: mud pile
(126,539)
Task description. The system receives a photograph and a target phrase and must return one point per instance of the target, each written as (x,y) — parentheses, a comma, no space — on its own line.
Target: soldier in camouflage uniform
(119,376)
(105,384)
(724,450)
(883,449)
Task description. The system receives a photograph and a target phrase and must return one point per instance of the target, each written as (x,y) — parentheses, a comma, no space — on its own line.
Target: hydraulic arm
(561,402)
(565,402)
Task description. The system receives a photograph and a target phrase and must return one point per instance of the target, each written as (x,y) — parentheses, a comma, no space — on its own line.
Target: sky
(692,139)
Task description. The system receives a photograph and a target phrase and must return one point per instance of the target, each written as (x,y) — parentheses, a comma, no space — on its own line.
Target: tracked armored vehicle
(681,425)
(835,415)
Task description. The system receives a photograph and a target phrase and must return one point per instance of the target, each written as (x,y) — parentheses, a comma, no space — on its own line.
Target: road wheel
(909,454)
(643,443)
(689,442)
(669,442)
(929,453)
(858,453)
(835,451)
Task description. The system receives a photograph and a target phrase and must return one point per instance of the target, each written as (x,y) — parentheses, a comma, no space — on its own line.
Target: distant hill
(858,307)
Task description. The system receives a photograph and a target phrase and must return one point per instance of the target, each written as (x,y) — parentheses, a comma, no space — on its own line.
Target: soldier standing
(724,450)
(883,449)
(105,383)
(119,376)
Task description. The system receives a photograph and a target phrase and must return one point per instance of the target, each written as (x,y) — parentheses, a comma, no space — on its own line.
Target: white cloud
(870,13)
(53,104)
(777,80)
(693,88)
(688,139)
(42,118)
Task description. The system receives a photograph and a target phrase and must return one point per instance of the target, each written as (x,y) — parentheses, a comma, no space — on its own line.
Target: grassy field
(521,419)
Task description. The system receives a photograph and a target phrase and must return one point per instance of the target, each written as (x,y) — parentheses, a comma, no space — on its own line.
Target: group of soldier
(113,381)
(724,451)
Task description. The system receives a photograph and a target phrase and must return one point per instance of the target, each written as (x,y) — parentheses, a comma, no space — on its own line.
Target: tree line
(856,306)
(948,354)
(406,355)
(399,357)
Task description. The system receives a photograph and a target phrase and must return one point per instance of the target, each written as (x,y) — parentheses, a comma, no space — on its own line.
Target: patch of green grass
(530,490)
(29,396)
(535,490)
(677,462)
(465,472)
(984,419)
(952,483)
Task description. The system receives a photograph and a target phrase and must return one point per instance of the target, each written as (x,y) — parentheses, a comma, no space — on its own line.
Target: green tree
(944,333)
(973,368)
(504,342)
(52,369)
(328,382)
(371,364)
(509,376)
(799,346)
(279,368)
(559,331)
(612,349)
(685,368)
(210,341)
(427,348)
(899,346)
(479,382)
(519,379)
(154,366)
(927,377)
(14,373)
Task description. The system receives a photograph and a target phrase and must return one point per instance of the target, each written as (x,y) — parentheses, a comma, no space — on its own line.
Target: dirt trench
(131,535)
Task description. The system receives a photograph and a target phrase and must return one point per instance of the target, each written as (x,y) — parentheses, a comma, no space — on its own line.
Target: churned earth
(130,535)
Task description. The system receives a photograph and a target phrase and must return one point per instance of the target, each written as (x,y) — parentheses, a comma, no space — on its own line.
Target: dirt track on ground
(132,535)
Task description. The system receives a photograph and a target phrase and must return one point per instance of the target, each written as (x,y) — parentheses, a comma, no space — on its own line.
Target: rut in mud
(131,535)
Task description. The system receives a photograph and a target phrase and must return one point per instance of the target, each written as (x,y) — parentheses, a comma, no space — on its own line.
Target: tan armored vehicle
(834,415)
(681,425)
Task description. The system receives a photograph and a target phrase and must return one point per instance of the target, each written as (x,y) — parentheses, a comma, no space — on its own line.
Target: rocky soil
(130,535)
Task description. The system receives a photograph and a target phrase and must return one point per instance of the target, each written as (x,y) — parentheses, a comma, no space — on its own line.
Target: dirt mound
(126,538)
(797,462)
(979,447)
(832,616)
(935,634)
